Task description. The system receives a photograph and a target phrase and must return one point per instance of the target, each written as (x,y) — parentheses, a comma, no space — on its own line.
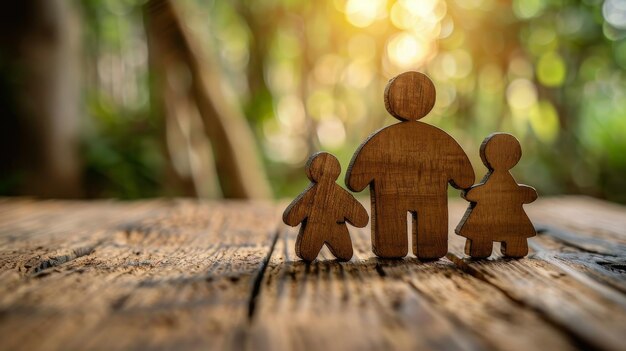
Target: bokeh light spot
(281,147)
(290,112)
(521,94)
(614,12)
(551,70)
(320,103)
(542,39)
(408,14)
(328,69)
(456,64)
(362,13)
(528,8)
(405,50)
(331,133)
(358,74)
(544,120)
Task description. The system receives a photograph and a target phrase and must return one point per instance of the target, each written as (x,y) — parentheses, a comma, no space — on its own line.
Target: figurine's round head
(409,96)
(322,165)
(500,151)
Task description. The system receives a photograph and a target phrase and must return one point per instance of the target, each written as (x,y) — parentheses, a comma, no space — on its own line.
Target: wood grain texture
(566,296)
(408,167)
(495,212)
(410,96)
(323,209)
(156,275)
(331,305)
(372,304)
(197,275)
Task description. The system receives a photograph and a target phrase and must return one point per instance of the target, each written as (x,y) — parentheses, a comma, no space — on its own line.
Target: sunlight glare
(405,50)
(362,13)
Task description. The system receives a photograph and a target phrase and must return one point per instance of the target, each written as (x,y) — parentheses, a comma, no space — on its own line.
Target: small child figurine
(495,212)
(323,208)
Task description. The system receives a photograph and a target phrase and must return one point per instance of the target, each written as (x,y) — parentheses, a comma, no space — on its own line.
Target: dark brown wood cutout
(323,209)
(495,212)
(408,167)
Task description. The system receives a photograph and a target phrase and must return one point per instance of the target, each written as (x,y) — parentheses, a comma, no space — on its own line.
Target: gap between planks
(258,280)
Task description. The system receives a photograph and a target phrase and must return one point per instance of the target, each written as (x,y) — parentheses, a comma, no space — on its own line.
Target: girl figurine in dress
(495,212)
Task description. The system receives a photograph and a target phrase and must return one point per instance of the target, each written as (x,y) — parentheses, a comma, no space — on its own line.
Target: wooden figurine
(323,209)
(408,166)
(495,212)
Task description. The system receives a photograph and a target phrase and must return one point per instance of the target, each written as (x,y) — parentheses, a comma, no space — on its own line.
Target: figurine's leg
(430,233)
(478,248)
(389,230)
(308,245)
(340,244)
(515,248)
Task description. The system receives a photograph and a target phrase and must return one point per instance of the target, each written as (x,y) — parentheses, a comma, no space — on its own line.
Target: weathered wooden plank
(318,305)
(575,215)
(185,274)
(594,316)
(595,248)
(35,236)
(475,305)
(346,306)
(180,276)
(502,323)
(603,271)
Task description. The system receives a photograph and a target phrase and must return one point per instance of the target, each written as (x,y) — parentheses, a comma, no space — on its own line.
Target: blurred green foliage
(121,144)
(310,76)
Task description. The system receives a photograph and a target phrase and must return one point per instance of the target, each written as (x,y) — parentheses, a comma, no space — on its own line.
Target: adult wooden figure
(408,166)
(495,212)
(323,209)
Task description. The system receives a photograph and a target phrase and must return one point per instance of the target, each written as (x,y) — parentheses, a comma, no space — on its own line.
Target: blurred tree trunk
(263,28)
(236,159)
(39,60)
(190,168)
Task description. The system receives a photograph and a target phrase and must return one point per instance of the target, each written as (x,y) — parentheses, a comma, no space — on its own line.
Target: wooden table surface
(186,274)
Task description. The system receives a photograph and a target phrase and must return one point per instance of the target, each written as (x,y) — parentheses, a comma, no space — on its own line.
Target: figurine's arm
(528,193)
(358,175)
(462,172)
(474,193)
(297,211)
(356,213)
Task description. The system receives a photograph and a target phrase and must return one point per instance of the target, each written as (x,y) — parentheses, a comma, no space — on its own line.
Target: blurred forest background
(131,98)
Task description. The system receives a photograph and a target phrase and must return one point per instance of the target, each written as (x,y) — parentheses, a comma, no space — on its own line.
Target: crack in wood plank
(583,242)
(56,261)
(258,280)
(576,339)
